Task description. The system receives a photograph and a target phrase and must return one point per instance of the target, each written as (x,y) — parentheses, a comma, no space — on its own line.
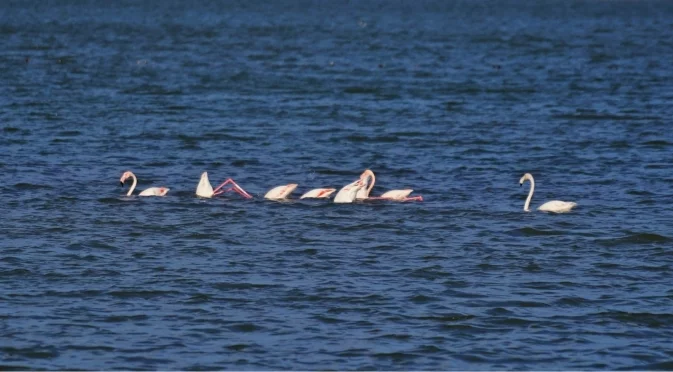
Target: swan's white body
(323,193)
(205,190)
(368,178)
(348,193)
(556,206)
(280,192)
(152,191)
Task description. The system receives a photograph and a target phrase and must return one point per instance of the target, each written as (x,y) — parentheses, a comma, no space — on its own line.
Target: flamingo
(322,193)
(152,191)
(282,192)
(556,206)
(205,190)
(397,195)
(348,193)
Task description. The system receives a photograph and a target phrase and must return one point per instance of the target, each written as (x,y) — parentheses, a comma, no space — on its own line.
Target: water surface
(453,99)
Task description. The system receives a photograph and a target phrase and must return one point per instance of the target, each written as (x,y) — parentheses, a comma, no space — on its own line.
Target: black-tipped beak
(521,184)
(122,183)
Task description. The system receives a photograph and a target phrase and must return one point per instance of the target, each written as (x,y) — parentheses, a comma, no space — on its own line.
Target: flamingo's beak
(521,184)
(122,183)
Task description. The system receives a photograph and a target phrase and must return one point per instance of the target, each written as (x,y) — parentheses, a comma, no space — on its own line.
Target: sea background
(455,99)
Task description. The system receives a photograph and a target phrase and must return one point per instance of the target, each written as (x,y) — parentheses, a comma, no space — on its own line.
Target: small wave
(657,143)
(245,286)
(69,133)
(240,347)
(600,116)
(361,90)
(421,299)
(31,352)
(245,327)
(635,238)
(652,320)
(31,186)
(368,139)
(301,252)
(90,348)
(353,352)
(152,89)
(10,259)
(74,294)
(396,356)
(15,272)
(244,162)
(531,231)
(661,366)
(572,301)
(125,318)
(450,317)
(328,319)
(14,367)
(141,294)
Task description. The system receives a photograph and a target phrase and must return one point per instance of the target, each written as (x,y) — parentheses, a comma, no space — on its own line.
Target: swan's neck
(530,195)
(133,186)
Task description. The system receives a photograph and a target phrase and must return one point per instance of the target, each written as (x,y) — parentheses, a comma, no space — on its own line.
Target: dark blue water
(456,100)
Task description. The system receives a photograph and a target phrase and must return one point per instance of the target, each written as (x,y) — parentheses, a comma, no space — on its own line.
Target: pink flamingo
(348,193)
(205,190)
(283,192)
(397,195)
(152,191)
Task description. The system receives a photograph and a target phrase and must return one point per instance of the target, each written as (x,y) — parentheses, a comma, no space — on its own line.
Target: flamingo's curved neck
(133,186)
(530,194)
(364,192)
(371,185)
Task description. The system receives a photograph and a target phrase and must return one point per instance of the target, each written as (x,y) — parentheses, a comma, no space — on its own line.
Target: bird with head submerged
(283,192)
(205,190)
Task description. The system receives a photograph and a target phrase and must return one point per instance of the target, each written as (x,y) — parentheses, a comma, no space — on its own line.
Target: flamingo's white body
(280,192)
(323,193)
(348,193)
(205,190)
(152,191)
(397,195)
(283,192)
(556,206)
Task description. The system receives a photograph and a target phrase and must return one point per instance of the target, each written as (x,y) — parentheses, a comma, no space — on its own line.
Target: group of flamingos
(356,190)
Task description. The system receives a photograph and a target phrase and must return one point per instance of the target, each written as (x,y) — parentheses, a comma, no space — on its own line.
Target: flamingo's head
(126,175)
(163,191)
(525,177)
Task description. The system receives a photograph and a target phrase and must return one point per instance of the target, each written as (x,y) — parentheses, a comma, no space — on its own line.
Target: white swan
(556,206)
(152,191)
(205,190)
(397,195)
(348,193)
(282,192)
